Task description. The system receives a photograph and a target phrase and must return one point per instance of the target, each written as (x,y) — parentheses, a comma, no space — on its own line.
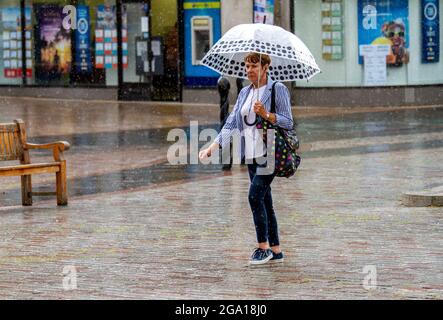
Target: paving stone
(138,228)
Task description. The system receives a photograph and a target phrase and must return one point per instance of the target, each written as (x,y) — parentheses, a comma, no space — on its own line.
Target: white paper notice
(145,24)
(155,48)
(374,64)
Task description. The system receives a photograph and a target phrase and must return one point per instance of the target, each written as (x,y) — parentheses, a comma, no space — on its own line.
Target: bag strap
(273,97)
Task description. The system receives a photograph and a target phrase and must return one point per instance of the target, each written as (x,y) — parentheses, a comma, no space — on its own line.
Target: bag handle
(273,97)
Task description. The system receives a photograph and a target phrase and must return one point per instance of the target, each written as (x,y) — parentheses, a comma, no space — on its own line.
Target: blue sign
(430,31)
(82,39)
(198,15)
(385,22)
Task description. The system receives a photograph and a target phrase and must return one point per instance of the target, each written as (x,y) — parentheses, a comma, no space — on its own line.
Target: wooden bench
(13,146)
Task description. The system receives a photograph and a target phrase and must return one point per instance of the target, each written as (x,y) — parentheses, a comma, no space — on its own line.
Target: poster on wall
(82,47)
(385,22)
(264,11)
(12,42)
(332,29)
(53,44)
(106,54)
(430,31)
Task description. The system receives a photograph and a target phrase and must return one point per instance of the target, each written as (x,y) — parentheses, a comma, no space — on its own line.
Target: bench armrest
(57,148)
(61,145)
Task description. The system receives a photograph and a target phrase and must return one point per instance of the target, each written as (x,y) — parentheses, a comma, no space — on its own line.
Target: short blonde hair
(254,57)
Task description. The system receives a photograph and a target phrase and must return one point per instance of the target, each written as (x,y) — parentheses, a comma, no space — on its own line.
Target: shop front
(371,51)
(128,47)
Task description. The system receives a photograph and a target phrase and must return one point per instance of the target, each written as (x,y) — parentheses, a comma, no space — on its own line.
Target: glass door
(135,75)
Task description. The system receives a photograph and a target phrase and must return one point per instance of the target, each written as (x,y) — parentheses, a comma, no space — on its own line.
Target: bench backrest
(12,136)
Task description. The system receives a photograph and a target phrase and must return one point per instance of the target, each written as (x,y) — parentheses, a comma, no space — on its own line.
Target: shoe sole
(277,260)
(255,263)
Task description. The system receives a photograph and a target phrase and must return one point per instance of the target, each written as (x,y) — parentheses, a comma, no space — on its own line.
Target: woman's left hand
(259,109)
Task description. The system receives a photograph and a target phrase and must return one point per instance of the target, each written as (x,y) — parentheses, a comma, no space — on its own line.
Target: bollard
(240,85)
(223,87)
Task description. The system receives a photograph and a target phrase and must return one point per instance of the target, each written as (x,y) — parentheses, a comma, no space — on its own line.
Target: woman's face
(252,69)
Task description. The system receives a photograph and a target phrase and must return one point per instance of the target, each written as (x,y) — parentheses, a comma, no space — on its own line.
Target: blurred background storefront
(340,33)
(150,50)
(106,49)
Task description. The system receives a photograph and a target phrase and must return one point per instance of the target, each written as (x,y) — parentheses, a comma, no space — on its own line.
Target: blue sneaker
(260,256)
(277,257)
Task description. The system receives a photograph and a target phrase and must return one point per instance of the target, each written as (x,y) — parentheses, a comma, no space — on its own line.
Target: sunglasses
(400,34)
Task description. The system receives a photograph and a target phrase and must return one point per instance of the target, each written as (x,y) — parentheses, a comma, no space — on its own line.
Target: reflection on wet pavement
(340,134)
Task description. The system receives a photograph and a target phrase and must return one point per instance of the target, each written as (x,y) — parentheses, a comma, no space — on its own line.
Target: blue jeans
(260,201)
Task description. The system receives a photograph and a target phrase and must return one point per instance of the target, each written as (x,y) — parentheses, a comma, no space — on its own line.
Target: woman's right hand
(206,153)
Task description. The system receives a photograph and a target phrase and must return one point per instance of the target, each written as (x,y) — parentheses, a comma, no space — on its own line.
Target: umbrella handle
(259,66)
(258,82)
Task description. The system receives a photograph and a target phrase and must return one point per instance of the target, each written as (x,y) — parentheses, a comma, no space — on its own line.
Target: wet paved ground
(137,227)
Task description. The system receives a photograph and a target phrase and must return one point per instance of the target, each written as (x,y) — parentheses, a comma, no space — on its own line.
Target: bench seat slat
(28,169)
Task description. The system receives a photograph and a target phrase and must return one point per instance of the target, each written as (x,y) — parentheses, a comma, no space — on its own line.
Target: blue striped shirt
(234,124)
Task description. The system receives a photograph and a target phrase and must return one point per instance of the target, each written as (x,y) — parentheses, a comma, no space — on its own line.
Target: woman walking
(255,101)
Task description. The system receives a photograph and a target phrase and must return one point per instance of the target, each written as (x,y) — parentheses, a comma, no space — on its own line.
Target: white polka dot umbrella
(291,60)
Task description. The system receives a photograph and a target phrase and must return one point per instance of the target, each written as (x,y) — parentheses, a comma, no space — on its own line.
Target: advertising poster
(83,51)
(53,44)
(262,9)
(385,22)
(430,31)
(106,55)
(12,42)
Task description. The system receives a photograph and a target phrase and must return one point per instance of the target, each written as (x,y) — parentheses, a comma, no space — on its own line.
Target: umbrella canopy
(290,58)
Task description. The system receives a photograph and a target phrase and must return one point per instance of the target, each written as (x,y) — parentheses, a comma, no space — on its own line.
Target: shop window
(96,58)
(51,43)
(85,54)
(11,42)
